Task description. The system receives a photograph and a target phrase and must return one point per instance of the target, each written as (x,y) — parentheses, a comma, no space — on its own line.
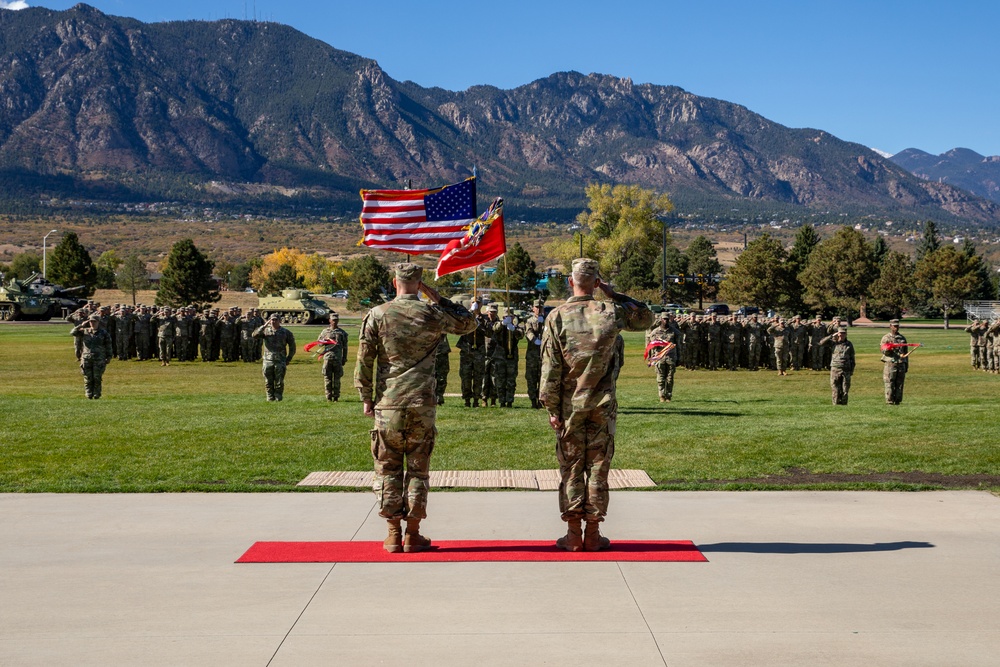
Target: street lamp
(44,264)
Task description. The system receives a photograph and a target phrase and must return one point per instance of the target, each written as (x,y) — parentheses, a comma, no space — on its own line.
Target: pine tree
(930,242)
(516,270)
(132,276)
(839,272)
(760,276)
(187,278)
(69,264)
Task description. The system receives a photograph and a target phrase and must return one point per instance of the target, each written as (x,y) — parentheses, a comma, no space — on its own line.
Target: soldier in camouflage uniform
(753,332)
(732,336)
(247,324)
(226,331)
(141,326)
(95,353)
(472,360)
(182,334)
(77,318)
(489,387)
(506,357)
(533,356)
(993,346)
(798,341)
(667,365)
(780,331)
(442,366)
(166,325)
(206,333)
(713,342)
(279,348)
(841,365)
(817,332)
(895,364)
(578,390)
(335,357)
(400,339)
(977,336)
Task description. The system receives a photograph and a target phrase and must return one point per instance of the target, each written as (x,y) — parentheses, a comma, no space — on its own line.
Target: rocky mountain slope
(192,109)
(960,167)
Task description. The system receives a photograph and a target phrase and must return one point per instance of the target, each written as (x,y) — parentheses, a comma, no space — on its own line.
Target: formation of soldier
(984,345)
(145,333)
(753,342)
(489,356)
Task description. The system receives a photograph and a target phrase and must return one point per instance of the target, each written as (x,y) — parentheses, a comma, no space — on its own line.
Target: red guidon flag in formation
(482,241)
(417,221)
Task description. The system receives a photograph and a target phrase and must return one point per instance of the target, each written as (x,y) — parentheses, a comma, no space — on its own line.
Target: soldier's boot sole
(394,541)
(573,539)
(413,541)
(592,538)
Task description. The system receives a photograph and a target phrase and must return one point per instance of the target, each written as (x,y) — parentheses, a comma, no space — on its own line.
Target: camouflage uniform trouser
(166,347)
(753,354)
(182,343)
(274,380)
(714,352)
(816,356)
(665,378)
(93,373)
(731,355)
(489,389)
(799,355)
(206,348)
(472,368)
(226,348)
(333,370)
(533,371)
(584,451)
(403,435)
(840,384)
(781,358)
(893,376)
(505,378)
(442,366)
(247,351)
(142,346)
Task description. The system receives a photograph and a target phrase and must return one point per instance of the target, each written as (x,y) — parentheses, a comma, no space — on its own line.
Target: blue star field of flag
(455,202)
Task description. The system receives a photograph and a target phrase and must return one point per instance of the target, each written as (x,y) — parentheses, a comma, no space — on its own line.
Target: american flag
(417,221)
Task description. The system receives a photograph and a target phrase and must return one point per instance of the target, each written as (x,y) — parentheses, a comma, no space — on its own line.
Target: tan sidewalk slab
(535,480)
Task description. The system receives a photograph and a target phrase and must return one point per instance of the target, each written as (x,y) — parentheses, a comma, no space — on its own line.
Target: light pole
(44,263)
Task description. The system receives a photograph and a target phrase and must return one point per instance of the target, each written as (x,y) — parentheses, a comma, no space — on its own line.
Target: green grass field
(206,426)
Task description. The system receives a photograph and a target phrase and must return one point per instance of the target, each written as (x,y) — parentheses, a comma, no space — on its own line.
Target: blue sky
(885,73)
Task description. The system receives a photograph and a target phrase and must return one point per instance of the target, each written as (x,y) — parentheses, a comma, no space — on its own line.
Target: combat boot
(394,542)
(592,538)
(468,403)
(475,403)
(413,541)
(573,540)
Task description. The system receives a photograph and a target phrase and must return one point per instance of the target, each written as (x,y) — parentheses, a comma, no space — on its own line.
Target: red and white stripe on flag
(417,221)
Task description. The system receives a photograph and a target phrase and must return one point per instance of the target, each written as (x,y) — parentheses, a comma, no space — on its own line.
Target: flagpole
(510,314)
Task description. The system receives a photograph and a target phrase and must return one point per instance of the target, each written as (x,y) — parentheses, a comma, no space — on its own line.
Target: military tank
(295,306)
(34,298)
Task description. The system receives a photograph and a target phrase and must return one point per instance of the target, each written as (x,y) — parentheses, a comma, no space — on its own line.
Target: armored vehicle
(295,306)
(34,298)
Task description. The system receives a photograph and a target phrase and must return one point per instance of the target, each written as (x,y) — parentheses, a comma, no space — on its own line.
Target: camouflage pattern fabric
(165,331)
(334,361)
(505,359)
(665,367)
(95,353)
(442,366)
(841,368)
(781,347)
(279,348)
(472,361)
(398,341)
(578,387)
(533,330)
(894,368)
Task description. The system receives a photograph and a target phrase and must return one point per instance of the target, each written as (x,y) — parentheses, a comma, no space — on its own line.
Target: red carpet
(468,550)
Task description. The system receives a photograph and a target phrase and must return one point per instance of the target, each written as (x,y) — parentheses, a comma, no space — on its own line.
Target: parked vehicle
(340,294)
(746,311)
(717,309)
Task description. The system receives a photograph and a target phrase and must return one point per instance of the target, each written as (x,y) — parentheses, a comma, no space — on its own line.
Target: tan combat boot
(592,538)
(413,541)
(394,542)
(573,540)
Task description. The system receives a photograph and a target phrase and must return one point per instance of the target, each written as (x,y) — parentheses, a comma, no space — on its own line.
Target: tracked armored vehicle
(34,298)
(296,306)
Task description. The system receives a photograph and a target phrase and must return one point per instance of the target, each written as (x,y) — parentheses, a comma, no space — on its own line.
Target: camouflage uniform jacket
(781,335)
(279,344)
(96,344)
(895,355)
(400,340)
(505,340)
(667,334)
(338,351)
(578,349)
(842,356)
(533,330)
(476,341)
(165,327)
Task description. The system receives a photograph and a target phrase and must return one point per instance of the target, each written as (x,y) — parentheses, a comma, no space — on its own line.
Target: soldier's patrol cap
(665,315)
(274,316)
(94,317)
(586,267)
(539,303)
(894,323)
(842,330)
(493,308)
(409,272)
(334,315)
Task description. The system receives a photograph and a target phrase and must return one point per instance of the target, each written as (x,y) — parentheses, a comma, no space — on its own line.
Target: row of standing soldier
(984,345)
(146,332)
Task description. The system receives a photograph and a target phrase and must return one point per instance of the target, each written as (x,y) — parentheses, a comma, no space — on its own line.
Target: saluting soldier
(279,348)
(506,334)
(578,390)
(667,365)
(817,332)
(166,324)
(442,366)
(841,365)
(400,338)
(96,352)
(780,332)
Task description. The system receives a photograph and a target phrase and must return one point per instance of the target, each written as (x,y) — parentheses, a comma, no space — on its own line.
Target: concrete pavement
(793,578)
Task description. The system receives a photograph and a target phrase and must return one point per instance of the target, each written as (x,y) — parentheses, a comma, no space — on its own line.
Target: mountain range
(103,106)
(960,167)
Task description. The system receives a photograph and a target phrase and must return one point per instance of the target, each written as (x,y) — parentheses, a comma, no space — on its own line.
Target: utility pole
(44,264)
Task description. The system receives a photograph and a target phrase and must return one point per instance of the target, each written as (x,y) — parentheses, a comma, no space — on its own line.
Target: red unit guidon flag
(483,240)
(417,221)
